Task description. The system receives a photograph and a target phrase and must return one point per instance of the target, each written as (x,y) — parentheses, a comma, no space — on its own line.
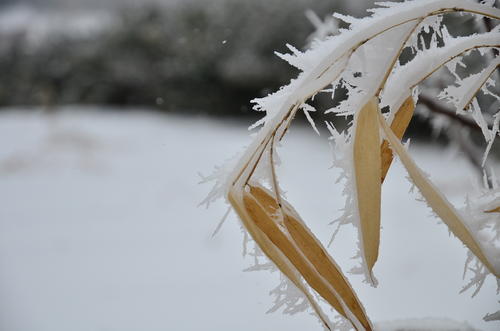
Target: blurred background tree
(192,56)
(189,57)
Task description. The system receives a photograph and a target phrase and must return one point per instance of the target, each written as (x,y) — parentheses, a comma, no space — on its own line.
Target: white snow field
(100,230)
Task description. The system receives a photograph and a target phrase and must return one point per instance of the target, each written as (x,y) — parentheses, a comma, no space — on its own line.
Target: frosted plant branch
(365,60)
(438,108)
(335,52)
(478,82)
(405,78)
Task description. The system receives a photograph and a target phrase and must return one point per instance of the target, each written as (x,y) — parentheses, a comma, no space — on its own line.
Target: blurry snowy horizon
(100,229)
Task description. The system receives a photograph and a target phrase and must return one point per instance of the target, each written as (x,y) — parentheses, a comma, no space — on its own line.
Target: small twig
(489,26)
(465,144)
(494,52)
(438,108)
(275,179)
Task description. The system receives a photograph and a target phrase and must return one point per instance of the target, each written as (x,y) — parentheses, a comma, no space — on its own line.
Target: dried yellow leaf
(494,210)
(274,254)
(399,125)
(317,255)
(268,226)
(439,204)
(367,167)
(327,268)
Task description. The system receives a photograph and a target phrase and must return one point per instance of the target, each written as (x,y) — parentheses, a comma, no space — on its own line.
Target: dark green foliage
(190,58)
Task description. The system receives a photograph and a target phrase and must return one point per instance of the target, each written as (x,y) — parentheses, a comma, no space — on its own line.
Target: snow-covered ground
(100,229)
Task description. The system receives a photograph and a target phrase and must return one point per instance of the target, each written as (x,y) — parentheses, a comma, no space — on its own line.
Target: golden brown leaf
(274,254)
(367,167)
(439,204)
(399,125)
(268,226)
(316,254)
(494,210)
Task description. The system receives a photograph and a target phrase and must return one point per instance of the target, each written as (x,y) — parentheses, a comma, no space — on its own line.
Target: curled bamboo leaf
(439,204)
(399,125)
(267,225)
(367,167)
(327,268)
(313,250)
(274,253)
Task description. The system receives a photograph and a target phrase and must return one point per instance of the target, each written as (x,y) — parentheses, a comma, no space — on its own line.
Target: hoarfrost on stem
(364,61)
